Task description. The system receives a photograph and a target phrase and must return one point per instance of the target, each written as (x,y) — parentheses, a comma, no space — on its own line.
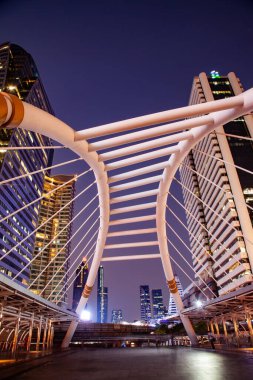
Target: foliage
(200,328)
(162,329)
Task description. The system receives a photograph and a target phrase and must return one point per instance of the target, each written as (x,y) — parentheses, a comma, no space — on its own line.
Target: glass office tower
(117,316)
(19,76)
(157,304)
(217,214)
(52,246)
(145,303)
(79,283)
(102,297)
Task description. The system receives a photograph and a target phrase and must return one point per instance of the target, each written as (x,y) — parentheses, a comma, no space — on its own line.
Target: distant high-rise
(117,316)
(172,306)
(157,303)
(19,76)
(102,297)
(218,219)
(52,247)
(145,303)
(79,283)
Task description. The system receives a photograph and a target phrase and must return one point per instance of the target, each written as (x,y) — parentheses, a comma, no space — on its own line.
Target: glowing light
(85,315)
(198,303)
(215,74)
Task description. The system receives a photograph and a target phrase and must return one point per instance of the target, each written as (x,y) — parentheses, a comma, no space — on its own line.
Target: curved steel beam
(28,117)
(219,118)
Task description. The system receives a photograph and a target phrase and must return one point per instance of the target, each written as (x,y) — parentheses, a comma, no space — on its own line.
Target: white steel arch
(184,134)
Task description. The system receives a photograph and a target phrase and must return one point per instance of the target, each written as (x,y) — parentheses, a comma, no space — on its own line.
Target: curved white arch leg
(39,121)
(198,133)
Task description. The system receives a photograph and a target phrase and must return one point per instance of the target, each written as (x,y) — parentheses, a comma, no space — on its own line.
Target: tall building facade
(218,217)
(19,76)
(52,246)
(157,304)
(79,283)
(145,303)
(172,309)
(102,297)
(117,316)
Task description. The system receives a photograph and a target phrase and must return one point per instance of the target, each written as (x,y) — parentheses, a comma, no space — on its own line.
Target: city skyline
(151,82)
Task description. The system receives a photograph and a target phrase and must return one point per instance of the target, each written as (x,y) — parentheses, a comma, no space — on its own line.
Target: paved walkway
(136,364)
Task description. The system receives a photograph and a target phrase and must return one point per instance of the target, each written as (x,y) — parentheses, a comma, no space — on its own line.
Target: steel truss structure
(170,133)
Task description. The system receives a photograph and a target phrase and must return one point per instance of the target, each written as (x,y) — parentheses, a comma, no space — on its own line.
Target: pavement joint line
(15,369)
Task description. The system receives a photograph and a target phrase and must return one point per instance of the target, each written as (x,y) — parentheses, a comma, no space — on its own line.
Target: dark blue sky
(103,61)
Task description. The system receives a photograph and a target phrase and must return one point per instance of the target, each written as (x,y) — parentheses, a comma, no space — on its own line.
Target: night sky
(104,61)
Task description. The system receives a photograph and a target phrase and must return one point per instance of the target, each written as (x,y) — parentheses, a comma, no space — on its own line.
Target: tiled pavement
(136,364)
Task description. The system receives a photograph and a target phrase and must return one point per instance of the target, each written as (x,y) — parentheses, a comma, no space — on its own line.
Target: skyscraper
(52,246)
(157,303)
(19,76)
(217,214)
(145,303)
(102,297)
(172,309)
(80,281)
(117,316)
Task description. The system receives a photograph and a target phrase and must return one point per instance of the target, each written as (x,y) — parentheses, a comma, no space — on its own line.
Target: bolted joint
(87,291)
(3,109)
(172,285)
(17,111)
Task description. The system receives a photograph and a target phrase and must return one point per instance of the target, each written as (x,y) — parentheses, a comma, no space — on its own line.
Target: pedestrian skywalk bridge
(134,163)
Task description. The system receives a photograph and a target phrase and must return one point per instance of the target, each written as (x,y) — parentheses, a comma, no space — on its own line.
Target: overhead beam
(132,257)
(132,220)
(155,143)
(143,206)
(157,118)
(140,182)
(137,172)
(132,232)
(142,157)
(130,245)
(151,133)
(129,197)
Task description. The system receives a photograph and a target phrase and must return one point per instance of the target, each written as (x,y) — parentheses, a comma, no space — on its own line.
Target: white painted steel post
(45,334)
(29,338)
(16,332)
(39,334)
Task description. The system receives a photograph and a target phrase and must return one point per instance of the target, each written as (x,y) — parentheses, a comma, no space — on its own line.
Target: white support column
(49,330)
(15,336)
(1,315)
(51,337)
(225,329)
(45,334)
(249,323)
(39,334)
(234,319)
(29,338)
